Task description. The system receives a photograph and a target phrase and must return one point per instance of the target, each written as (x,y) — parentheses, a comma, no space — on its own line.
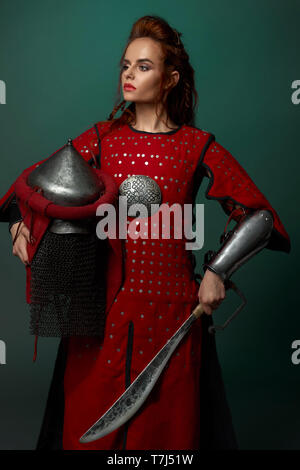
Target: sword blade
(135,395)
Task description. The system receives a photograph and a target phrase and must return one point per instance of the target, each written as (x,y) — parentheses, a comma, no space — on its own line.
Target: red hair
(181,100)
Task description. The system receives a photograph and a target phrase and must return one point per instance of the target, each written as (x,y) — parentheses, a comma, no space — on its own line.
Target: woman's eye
(145,68)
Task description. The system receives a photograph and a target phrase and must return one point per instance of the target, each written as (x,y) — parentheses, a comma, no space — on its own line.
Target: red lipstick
(128,86)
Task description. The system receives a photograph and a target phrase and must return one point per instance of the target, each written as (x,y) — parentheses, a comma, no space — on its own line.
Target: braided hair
(181,100)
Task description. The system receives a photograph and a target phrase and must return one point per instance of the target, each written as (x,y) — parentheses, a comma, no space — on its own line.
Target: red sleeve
(86,144)
(231,185)
(9,195)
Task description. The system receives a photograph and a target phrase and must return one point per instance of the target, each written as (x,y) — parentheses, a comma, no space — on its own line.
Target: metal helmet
(68,268)
(67,180)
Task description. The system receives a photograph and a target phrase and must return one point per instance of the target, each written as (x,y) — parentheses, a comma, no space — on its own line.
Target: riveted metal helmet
(67,289)
(67,180)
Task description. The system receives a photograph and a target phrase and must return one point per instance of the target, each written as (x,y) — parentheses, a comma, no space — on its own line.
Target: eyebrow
(139,60)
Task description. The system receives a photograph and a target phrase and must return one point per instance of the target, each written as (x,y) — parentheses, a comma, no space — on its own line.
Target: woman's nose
(129,73)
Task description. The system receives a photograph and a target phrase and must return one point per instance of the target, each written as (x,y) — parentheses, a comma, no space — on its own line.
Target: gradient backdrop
(59,60)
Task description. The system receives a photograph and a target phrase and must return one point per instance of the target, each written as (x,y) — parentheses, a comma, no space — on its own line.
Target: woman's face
(142,68)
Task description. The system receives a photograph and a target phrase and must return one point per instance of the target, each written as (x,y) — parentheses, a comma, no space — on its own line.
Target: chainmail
(68,286)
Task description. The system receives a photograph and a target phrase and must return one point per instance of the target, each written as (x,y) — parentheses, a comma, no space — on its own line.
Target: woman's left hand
(211,292)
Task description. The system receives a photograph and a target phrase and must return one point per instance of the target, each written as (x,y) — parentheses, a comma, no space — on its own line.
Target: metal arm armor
(249,237)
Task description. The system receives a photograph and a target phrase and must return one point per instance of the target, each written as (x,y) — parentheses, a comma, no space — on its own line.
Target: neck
(146,119)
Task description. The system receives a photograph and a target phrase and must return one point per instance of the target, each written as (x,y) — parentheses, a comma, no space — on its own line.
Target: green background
(59,60)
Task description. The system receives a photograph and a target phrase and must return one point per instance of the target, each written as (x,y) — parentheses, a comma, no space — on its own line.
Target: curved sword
(135,395)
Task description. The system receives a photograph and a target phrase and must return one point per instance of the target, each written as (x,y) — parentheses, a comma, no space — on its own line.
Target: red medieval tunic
(157,293)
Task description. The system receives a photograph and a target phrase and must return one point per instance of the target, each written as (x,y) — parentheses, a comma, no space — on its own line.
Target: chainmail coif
(68,286)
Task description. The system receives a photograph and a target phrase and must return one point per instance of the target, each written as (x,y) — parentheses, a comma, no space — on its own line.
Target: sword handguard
(199,310)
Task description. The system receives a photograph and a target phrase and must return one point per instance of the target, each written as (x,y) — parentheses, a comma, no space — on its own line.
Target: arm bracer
(249,237)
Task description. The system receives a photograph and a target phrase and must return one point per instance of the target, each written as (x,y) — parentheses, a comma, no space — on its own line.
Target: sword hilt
(198,310)
(228,284)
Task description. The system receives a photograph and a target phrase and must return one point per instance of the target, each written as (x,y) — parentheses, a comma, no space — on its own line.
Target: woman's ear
(176,77)
(173,80)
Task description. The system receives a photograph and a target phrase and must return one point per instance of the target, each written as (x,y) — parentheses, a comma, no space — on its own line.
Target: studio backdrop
(59,67)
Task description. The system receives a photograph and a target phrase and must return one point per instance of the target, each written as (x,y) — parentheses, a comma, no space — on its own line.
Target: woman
(154,136)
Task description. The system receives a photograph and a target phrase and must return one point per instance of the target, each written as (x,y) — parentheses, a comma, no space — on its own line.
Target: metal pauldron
(249,237)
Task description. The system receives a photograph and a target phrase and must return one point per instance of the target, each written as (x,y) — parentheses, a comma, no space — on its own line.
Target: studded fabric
(232,184)
(163,294)
(157,295)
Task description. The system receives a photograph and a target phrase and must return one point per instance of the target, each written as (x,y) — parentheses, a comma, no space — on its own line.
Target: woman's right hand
(20,245)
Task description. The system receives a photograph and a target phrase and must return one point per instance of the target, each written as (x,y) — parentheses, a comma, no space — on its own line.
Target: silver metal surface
(141,189)
(135,395)
(71,226)
(249,237)
(66,179)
